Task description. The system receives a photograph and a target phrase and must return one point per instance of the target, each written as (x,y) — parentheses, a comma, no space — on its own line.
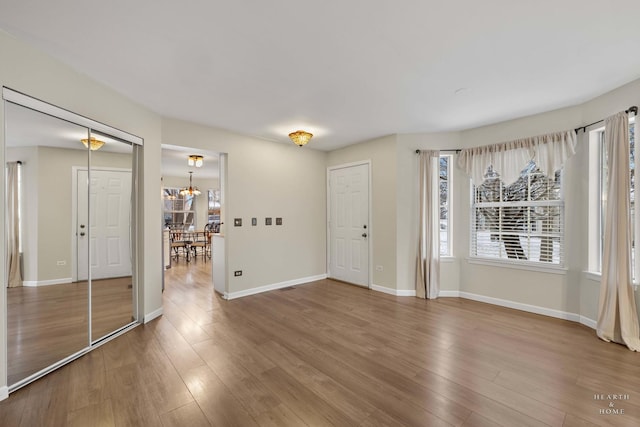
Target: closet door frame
(136,142)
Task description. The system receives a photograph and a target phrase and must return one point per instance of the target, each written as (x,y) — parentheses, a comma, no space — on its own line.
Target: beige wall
(266,179)
(382,154)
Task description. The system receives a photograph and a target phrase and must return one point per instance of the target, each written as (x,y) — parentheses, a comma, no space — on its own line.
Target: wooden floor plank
(328,353)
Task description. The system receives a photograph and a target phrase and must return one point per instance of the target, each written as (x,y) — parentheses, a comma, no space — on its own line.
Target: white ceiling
(345,70)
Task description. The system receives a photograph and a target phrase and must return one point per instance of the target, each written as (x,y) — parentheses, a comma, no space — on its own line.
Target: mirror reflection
(109,199)
(66,204)
(47,307)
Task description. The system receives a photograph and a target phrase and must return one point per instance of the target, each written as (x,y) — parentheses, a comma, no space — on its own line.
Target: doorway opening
(192,204)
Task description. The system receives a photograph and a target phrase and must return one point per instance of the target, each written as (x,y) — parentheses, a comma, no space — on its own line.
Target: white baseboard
(396,292)
(4,392)
(36,283)
(154,314)
(523,307)
(588,322)
(272,287)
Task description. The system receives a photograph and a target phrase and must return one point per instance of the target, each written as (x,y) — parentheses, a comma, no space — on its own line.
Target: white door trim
(74,212)
(369,214)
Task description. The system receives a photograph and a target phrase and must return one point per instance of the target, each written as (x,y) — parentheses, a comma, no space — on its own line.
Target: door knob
(364,235)
(82,233)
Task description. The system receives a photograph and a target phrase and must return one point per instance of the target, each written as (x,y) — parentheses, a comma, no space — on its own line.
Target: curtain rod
(457,150)
(633,109)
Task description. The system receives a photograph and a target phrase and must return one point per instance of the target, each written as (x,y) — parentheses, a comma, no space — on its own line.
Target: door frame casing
(370,236)
(74,213)
(21,99)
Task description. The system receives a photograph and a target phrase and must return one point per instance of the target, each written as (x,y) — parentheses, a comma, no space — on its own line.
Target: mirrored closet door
(69,226)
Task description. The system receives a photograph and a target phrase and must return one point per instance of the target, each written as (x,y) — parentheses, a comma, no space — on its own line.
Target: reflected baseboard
(36,283)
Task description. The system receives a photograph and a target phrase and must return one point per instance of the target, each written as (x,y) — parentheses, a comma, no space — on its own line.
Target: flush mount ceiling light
(191,191)
(195,160)
(300,137)
(93,144)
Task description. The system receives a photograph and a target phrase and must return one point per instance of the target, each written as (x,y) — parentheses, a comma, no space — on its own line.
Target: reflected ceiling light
(191,191)
(93,144)
(195,160)
(300,137)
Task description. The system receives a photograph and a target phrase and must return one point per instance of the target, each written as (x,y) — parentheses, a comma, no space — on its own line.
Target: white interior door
(349,224)
(109,212)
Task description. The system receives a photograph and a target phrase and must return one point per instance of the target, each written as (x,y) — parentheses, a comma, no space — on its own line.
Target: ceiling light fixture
(195,160)
(93,144)
(300,137)
(191,191)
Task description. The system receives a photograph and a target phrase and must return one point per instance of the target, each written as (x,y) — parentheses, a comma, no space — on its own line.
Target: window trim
(449,205)
(595,236)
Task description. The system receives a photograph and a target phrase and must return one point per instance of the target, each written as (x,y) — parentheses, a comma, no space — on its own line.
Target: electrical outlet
(237,273)
(61,263)
(379,268)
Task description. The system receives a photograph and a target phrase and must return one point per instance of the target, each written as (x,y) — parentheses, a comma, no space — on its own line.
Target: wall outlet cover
(254,221)
(278,221)
(237,222)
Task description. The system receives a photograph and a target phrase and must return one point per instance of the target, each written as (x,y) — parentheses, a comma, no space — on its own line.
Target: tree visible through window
(522,221)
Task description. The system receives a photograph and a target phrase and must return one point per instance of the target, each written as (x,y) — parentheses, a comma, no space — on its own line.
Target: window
(599,204)
(445,204)
(179,210)
(522,222)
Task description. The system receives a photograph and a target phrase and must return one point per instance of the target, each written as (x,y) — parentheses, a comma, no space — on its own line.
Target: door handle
(82,233)
(364,235)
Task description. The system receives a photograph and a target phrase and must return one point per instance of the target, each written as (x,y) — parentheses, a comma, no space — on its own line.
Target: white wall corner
(392,291)
(154,314)
(273,287)
(4,392)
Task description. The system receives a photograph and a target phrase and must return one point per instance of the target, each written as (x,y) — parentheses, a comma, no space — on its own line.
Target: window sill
(592,275)
(597,277)
(517,266)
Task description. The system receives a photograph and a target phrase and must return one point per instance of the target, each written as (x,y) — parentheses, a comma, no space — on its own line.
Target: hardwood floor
(46,324)
(328,353)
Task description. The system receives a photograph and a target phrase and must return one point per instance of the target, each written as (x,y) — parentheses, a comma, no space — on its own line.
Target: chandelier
(300,137)
(191,191)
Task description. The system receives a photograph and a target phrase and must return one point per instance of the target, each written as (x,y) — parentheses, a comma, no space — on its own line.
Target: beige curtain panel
(428,263)
(617,312)
(13,227)
(549,152)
